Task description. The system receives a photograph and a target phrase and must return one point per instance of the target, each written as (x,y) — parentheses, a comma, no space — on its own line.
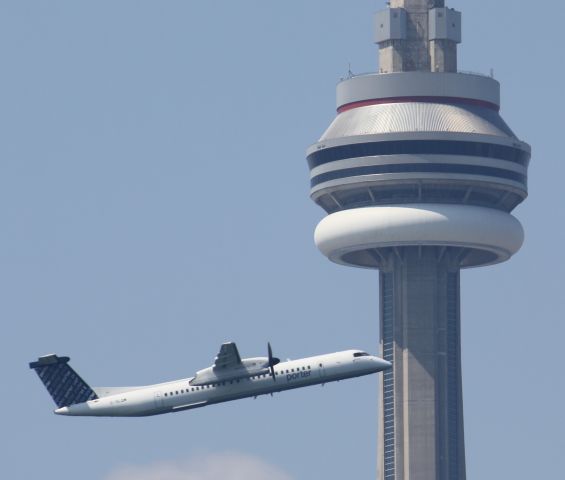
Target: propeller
(272,361)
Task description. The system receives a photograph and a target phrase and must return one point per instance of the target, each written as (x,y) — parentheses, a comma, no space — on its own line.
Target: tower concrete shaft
(421,415)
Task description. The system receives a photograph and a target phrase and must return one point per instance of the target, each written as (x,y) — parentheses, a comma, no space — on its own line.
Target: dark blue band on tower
(419,168)
(422,147)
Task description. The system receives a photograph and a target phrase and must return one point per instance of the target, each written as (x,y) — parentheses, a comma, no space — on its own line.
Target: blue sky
(154,203)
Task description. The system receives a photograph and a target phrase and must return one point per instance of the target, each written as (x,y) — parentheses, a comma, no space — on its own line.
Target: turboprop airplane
(230,378)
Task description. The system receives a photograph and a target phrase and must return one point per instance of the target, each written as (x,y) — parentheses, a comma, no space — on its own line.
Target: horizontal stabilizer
(62,382)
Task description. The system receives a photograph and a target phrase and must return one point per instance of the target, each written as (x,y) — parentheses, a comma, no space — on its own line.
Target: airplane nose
(62,411)
(383,364)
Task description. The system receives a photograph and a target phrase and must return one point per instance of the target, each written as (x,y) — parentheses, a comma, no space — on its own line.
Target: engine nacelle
(249,367)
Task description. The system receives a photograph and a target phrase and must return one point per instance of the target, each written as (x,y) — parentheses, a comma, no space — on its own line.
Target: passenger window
(165,394)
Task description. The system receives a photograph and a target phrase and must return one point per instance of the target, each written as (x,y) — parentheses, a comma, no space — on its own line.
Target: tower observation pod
(418,173)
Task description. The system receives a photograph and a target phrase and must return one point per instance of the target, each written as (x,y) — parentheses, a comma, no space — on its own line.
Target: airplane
(230,378)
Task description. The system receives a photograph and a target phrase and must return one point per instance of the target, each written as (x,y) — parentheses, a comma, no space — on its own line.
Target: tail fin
(62,382)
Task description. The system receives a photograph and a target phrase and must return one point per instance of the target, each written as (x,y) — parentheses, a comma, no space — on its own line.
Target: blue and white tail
(62,382)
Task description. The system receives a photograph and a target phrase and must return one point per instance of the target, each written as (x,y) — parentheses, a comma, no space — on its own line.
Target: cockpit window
(360,354)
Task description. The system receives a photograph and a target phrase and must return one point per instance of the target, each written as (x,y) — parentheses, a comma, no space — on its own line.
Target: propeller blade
(272,361)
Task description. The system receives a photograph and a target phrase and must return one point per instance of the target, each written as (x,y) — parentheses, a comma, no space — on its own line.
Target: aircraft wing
(228,357)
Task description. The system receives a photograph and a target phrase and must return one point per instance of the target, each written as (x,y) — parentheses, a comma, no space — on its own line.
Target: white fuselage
(181,395)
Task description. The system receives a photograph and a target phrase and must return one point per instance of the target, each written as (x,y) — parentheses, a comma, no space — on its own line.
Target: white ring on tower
(348,237)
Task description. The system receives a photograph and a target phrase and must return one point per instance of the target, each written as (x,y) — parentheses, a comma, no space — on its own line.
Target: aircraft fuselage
(180,395)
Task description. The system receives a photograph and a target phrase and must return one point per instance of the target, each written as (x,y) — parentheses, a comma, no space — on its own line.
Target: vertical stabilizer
(62,382)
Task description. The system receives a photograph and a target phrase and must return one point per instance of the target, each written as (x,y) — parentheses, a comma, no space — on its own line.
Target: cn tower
(418,174)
